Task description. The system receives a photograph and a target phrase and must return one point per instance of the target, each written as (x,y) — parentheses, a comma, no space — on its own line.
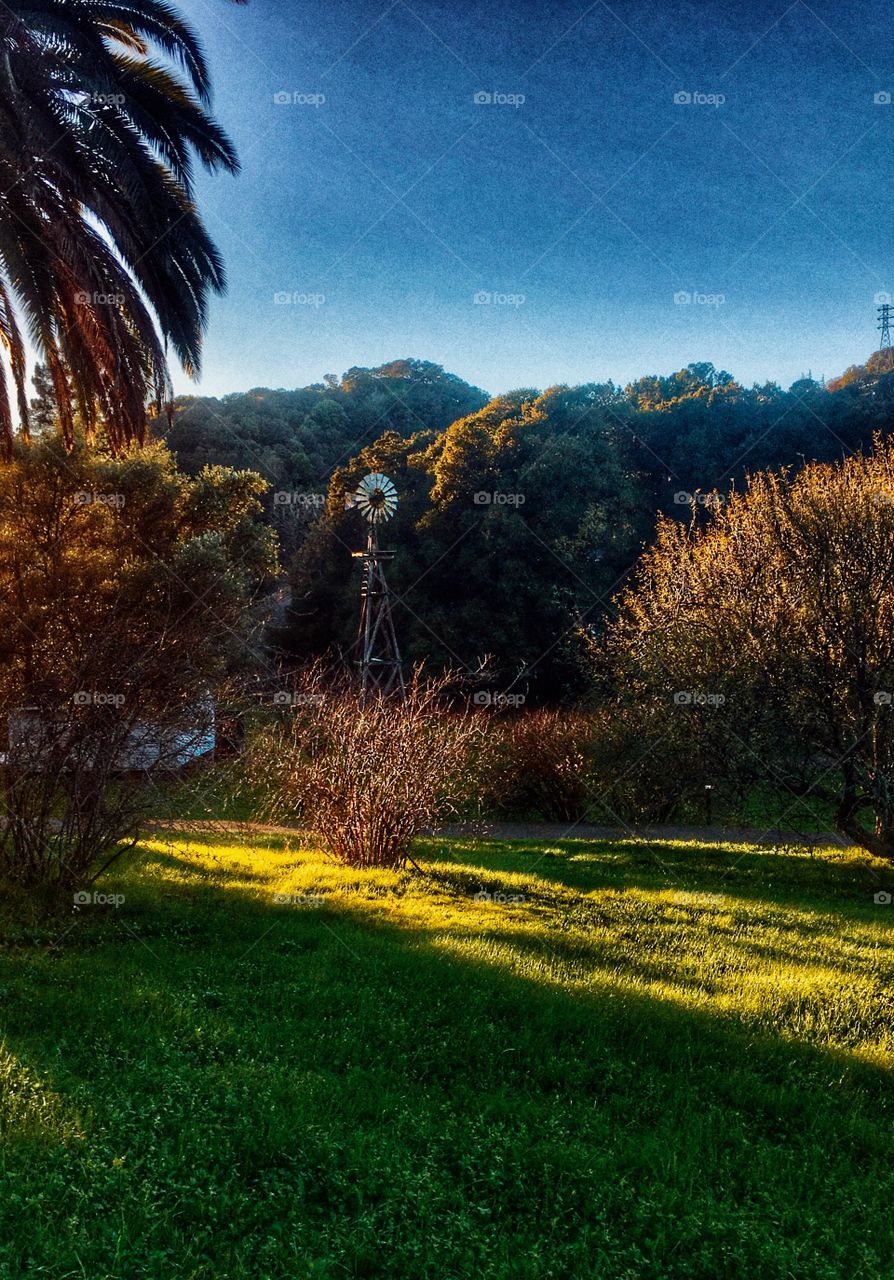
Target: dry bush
(78,775)
(541,766)
(369,776)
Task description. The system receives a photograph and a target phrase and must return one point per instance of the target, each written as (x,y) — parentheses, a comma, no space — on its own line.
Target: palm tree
(104,260)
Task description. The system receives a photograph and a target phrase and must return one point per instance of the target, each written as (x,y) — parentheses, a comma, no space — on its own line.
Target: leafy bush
(760,642)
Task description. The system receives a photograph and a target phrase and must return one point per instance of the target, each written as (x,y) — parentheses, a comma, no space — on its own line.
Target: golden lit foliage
(781,609)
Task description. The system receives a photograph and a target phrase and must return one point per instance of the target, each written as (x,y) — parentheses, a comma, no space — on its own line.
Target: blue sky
(581,201)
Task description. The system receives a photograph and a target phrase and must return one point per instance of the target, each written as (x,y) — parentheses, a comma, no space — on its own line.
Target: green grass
(661,1061)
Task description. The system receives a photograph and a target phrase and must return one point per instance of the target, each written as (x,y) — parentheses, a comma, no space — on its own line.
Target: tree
(125,597)
(43,411)
(519,520)
(296,438)
(881,361)
(101,247)
(771,629)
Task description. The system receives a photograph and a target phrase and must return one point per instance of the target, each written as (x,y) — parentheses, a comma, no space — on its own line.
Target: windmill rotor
(375,498)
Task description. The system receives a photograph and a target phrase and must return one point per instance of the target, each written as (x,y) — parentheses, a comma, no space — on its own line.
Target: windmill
(380,666)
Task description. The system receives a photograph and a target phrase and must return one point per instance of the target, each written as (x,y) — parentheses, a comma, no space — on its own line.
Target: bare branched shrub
(369,776)
(82,760)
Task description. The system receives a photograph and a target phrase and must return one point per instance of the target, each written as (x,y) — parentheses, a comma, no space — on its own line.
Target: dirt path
(555,831)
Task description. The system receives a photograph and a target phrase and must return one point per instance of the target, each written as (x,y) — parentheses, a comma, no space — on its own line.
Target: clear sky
(581,197)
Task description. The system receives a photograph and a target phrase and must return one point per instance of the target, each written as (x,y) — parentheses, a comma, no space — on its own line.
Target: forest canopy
(520,516)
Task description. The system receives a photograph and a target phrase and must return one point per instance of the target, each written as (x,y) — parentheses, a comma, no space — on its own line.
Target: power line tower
(379,657)
(883,324)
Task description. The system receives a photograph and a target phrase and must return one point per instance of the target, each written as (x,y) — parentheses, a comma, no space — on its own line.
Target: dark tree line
(520,517)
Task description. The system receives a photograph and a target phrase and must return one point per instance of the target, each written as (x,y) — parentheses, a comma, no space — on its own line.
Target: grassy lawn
(630,1061)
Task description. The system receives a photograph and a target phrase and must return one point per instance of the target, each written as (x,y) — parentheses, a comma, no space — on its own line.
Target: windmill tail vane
(379,656)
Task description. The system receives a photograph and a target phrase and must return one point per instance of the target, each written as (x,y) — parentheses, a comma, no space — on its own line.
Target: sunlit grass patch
(821,975)
(30,1109)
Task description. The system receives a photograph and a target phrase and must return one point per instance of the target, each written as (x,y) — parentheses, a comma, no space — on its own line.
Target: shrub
(367,776)
(541,766)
